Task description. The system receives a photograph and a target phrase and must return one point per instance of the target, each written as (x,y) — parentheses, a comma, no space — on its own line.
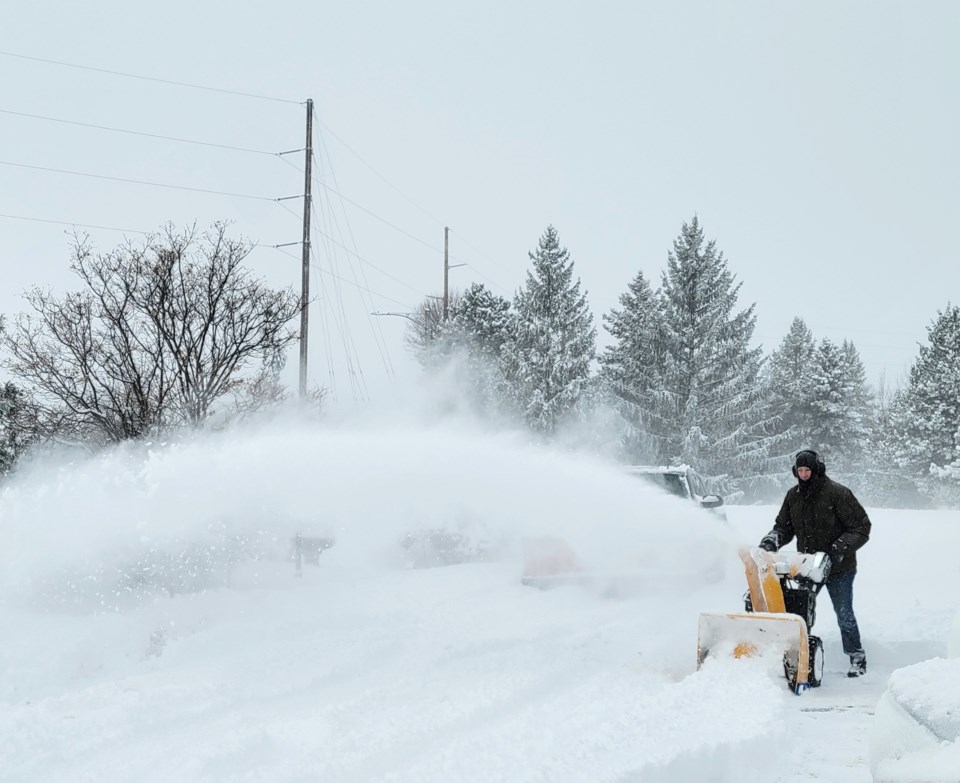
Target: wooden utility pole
(305,283)
(446,273)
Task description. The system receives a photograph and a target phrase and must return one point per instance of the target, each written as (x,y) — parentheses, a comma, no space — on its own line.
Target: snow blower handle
(816,567)
(811,567)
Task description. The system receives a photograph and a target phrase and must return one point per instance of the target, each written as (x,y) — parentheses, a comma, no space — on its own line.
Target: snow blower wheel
(816,662)
(815,673)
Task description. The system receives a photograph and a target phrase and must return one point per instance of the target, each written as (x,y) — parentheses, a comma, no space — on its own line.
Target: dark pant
(840,587)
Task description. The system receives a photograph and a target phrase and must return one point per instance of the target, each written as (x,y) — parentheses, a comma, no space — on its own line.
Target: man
(826,517)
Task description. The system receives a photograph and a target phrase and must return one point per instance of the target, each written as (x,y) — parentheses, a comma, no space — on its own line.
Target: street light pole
(408,316)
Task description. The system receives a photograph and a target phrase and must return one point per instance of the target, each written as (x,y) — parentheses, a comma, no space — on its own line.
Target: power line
(351,356)
(377,333)
(489,280)
(284,206)
(375,325)
(78,225)
(476,250)
(362,260)
(137,181)
(383,178)
(343,279)
(137,133)
(400,230)
(410,200)
(387,222)
(216,145)
(376,216)
(149,78)
(358,383)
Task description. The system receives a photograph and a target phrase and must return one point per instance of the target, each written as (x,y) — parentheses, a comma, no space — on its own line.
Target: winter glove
(770,542)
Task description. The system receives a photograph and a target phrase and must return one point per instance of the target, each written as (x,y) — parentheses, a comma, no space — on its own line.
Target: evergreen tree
(480,323)
(827,400)
(859,407)
(631,367)
(15,425)
(546,362)
(711,409)
(840,405)
(790,371)
(883,437)
(481,320)
(928,420)
(885,484)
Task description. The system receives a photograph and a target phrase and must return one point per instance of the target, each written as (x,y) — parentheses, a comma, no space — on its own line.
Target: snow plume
(179,517)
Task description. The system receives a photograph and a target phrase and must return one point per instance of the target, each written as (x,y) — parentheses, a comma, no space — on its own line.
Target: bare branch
(160,334)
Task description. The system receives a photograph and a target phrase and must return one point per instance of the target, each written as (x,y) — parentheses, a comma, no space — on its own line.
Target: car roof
(676,470)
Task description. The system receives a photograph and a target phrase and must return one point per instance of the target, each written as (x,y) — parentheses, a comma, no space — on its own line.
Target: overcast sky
(817,143)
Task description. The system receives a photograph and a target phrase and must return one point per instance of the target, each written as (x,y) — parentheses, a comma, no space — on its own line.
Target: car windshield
(671,482)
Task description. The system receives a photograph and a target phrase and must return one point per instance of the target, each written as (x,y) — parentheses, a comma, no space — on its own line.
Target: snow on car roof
(678,470)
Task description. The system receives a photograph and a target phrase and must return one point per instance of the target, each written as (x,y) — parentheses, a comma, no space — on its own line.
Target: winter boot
(858,665)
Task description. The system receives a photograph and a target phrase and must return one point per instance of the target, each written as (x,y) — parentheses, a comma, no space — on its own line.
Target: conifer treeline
(679,382)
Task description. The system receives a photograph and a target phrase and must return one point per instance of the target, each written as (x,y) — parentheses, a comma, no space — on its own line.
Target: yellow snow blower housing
(781,608)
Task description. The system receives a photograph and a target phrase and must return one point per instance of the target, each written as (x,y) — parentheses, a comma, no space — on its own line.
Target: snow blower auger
(780,611)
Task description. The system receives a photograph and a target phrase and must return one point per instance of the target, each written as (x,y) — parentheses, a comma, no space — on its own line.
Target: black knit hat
(808,458)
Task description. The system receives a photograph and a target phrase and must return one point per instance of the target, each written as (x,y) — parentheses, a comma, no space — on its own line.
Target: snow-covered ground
(116,667)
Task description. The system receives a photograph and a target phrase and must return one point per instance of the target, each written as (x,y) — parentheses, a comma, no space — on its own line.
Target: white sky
(815,141)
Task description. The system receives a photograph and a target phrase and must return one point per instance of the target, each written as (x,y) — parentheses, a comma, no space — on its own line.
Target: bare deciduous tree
(426,325)
(160,334)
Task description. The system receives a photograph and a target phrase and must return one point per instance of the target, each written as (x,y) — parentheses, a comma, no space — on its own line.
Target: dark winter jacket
(825,518)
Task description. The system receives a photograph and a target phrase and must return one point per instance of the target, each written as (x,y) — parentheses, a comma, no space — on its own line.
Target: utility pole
(446,273)
(305,283)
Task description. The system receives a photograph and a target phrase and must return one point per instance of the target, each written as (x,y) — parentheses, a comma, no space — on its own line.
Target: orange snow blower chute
(780,611)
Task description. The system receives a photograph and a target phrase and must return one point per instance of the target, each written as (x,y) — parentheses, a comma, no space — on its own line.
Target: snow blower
(780,612)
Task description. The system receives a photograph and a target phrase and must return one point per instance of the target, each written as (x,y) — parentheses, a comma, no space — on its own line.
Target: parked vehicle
(682,481)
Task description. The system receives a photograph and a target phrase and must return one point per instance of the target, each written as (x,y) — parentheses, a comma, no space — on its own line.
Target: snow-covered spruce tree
(928,420)
(470,341)
(546,362)
(860,404)
(481,319)
(885,483)
(711,410)
(840,404)
(789,372)
(630,373)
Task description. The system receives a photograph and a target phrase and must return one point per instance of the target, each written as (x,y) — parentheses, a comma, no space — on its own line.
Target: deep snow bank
(915,735)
